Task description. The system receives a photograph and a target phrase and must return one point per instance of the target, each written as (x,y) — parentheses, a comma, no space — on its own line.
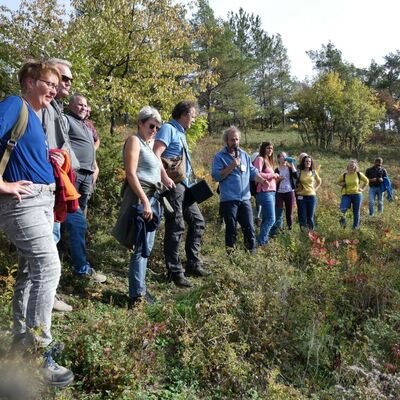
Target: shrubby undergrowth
(311,316)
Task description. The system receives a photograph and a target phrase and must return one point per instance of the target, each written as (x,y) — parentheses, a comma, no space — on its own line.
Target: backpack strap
(17,132)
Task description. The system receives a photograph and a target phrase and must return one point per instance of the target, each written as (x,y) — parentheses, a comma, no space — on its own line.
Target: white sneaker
(60,305)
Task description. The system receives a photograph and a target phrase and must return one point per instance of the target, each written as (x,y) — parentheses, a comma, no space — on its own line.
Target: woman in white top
(285,197)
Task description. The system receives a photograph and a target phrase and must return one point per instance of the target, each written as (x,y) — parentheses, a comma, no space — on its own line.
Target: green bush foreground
(310,316)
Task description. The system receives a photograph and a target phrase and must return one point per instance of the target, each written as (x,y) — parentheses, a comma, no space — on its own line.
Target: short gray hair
(54,61)
(148,112)
(73,98)
(227,132)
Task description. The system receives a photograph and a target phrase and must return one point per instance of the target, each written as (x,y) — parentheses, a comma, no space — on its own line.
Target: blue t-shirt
(172,134)
(30,158)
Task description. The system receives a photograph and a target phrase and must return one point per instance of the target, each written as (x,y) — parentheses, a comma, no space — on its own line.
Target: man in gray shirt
(82,144)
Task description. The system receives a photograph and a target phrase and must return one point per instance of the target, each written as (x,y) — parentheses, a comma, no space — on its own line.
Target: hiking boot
(60,305)
(180,280)
(53,374)
(343,221)
(198,270)
(136,300)
(150,299)
(94,276)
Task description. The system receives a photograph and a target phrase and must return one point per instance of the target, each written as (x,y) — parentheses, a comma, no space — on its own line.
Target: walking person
(376,175)
(308,182)
(353,183)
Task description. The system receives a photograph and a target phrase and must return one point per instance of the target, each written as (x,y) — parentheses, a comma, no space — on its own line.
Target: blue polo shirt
(172,134)
(29,160)
(236,186)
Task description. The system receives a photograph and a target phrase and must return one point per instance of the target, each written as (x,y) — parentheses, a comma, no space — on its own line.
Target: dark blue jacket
(142,226)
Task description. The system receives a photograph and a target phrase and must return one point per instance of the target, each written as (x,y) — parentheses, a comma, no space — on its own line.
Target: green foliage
(332,108)
(36,30)
(197,131)
(308,317)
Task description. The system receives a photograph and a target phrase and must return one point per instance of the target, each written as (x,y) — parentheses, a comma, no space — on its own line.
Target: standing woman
(264,163)
(353,183)
(308,183)
(284,192)
(26,215)
(143,172)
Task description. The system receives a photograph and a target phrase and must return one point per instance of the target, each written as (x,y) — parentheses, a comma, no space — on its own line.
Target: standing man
(52,117)
(83,146)
(376,174)
(233,169)
(57,137)
(82,143)
(171,142)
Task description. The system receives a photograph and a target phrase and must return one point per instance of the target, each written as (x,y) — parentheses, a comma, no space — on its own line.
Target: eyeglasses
(66,78)
(50,85)
(152,126)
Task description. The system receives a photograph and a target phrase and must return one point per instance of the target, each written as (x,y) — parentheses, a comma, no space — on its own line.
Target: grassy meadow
(311,316)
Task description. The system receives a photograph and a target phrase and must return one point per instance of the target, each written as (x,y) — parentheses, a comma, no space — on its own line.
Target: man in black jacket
(375,174)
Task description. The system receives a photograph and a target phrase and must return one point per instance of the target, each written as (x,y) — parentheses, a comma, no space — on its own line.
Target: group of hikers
(47,173)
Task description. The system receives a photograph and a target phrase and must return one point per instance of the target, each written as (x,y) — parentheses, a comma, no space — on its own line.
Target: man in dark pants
(233,169)
(171,142)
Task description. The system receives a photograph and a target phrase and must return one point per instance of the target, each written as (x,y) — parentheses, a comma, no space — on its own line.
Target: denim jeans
(286,200)
(76,226)
(137,268)
(375,191)
(306,209)
(29,225)
(267,203)
(347,201)
(56,232)
(84,186)
(238,211)
(175,227)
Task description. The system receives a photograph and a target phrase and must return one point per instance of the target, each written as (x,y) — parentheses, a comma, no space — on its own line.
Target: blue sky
(362,29)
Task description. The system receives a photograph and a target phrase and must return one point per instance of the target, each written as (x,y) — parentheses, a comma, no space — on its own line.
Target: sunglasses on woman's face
(152,126)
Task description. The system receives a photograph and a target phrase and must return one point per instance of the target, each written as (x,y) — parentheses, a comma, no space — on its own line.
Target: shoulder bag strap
(16,133)
(188,158)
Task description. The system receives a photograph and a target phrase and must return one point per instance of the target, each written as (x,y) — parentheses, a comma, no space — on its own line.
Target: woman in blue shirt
(26,215)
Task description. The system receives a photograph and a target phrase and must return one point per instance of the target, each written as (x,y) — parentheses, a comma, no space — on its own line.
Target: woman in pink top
(266,191)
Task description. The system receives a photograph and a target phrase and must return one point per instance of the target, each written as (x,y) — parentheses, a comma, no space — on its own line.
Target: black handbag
(199,190)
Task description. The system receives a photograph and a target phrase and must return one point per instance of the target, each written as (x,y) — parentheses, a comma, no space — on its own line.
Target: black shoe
(149,298)
(135,301)
(180,280)
(343,221)
(197,271)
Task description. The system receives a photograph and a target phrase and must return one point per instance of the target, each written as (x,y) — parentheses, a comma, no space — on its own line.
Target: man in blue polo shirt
(171,142)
